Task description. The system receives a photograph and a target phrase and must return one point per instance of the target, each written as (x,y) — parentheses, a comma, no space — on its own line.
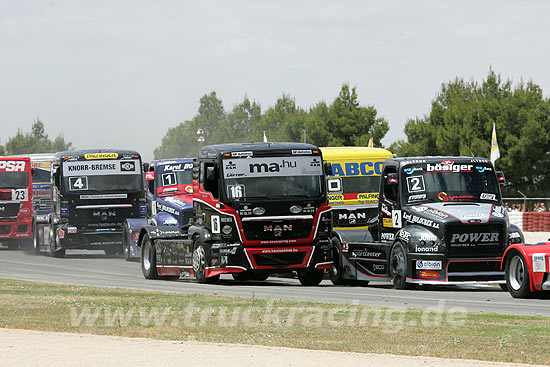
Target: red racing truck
(15,201)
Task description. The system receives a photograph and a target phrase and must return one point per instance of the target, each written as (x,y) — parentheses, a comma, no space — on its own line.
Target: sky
(119,74)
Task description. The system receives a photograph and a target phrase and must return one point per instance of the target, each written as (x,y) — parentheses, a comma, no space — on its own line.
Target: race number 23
(20,195)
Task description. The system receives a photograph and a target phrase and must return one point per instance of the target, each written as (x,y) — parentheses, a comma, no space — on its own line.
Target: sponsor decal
(421,221)
(227,229)
(178,167)
(499,211)
(378,267)
(387,237)
(428,265)
(91,168)
(301,151)
(428,237)
(485,196)
(352,217)
(387,222)
(165,208)
(443,196)
(279,250)
(309,209)
(426,248)
(472,239)
(258,211)
(404,236)
(411,170)
(449,166)
(539,263)
(366,254)
(241,154)
(357,169)
(338,197)
(103,196)
(61,234)
(416,197)
(72,230)
(368,196)
(12,166)
(385,210)
(226,219)
(170,221)
(429,274)
(514,235)
(245,211)
(274,167)
(101,156)
(150,176)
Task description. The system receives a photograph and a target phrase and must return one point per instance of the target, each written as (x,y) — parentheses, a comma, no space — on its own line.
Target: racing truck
(258,209)
(93,192)
(169,200)
(15,201)
(440,221)
(527,269)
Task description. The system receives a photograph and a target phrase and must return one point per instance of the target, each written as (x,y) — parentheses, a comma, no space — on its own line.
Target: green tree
(352,124)
(36,141)
(461,120)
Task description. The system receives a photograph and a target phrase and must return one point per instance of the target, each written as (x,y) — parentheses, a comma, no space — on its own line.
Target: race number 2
(396,218)
(20,195)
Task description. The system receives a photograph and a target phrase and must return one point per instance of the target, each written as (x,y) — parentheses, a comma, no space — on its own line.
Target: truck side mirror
(391,179)
(500,177)
(56,176)
(210,173)
(34,172)
(328,169)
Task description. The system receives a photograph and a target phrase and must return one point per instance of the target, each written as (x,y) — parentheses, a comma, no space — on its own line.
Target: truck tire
(35,239)
(517,276)
(398,267)
(335,274)
(201,259)
(148,258)
(52,251)
(310,277)
(125,242)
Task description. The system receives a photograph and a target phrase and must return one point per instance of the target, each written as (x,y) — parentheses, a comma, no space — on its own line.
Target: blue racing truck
(169,201)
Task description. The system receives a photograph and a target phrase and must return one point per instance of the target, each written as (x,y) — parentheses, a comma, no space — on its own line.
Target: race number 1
(396,218)
(215,222)
(20,195)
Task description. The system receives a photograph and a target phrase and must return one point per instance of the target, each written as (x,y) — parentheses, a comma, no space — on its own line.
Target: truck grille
(9,210)
(472,240)
(275,230)
(352,218)
(279,260)
(5,229)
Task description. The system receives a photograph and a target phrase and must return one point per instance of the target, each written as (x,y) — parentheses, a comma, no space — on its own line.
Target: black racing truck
(258,209)
(93,192)
(440,221)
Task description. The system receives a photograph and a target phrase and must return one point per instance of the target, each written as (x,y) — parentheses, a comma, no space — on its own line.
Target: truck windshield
(359,184)
(273,177)
(14,180)
(449,181)
(102,175)
(175,182)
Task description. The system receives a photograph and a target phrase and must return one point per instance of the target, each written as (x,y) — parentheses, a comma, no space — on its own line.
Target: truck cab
(440,221)
(258,209)
(15,201)
(169,195)
(93,192)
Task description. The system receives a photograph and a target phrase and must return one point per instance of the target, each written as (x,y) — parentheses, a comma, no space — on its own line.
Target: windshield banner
(100,168)
(272,167)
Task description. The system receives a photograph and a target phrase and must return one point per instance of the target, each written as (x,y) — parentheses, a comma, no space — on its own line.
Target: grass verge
(351,328)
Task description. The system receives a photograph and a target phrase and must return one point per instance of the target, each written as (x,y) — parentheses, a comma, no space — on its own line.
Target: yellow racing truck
(353,193)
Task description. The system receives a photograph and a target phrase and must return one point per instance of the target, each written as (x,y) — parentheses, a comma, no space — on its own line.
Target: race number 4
(20,195)
(78,183)
(396,218)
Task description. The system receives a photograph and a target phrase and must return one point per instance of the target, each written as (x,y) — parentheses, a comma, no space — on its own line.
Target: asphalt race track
(95,269)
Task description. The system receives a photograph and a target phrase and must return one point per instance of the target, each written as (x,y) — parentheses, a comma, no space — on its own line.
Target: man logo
(127,166)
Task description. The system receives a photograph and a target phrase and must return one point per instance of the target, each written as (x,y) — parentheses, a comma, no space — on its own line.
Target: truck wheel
(335,274)
(125,242)
(201,257)
(398,267)
(35,239)
(148,258)
(309,277)
(52,251)
(517,277)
